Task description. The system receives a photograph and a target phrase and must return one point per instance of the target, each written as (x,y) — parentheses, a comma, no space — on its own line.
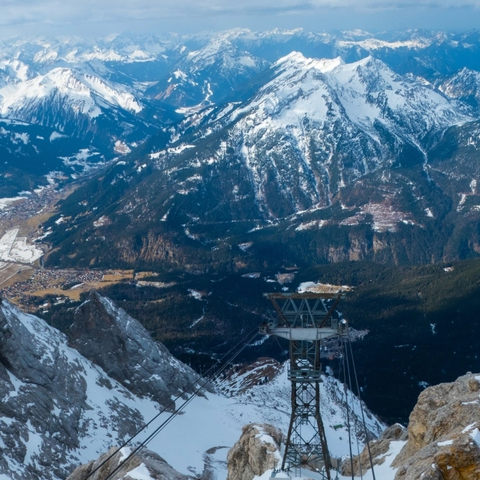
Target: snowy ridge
(126,48)
(464,85)
(82,94)
(319,102)
(367,92)
(80,411)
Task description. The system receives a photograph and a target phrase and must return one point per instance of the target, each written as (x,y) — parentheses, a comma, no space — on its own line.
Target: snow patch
(6,202)
(56,135)
(475,434)
(445,443)
(196,295)
(317,287)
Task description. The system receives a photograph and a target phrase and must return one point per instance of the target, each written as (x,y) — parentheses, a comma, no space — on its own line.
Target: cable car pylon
(305,320)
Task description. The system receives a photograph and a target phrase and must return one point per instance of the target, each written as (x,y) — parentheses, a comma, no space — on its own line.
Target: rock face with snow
(378,450)
(443,437)
(144,464)
(257,451)
(464,85)
(57,408)
(120,345)
(444,433)
(241,378)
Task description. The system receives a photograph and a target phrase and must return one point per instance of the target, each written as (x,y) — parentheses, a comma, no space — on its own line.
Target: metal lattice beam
(305,320)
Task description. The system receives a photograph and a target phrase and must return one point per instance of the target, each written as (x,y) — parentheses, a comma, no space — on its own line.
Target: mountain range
(218,161)
(353,157)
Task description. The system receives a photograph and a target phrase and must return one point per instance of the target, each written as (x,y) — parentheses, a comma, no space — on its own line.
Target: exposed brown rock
(443,433)
(255,452)
(443,441)
(378,449)
(144,460)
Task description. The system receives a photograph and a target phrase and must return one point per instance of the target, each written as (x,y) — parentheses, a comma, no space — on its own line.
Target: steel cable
(347,409)
(176,412)
(351,396)
(243,342)
(361,409)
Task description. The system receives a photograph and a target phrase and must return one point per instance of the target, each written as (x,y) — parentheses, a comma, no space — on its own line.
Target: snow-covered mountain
(80,105)
(317,117)
(321,144)
(60,410)
(76,90)
(465,86)
(210,74)
(300,133)
(106,92)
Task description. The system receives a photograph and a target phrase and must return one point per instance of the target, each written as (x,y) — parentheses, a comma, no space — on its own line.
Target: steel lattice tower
(305,320)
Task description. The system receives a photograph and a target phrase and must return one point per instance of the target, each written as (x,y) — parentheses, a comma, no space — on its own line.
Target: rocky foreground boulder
(257,451)
(442,439)
(444,433)
(116,463)
(378,450)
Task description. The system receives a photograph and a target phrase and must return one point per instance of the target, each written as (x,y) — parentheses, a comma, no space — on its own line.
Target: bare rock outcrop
(256,452)
(443,433)
(378,451)
(443,441)
(120,345)
(143,464)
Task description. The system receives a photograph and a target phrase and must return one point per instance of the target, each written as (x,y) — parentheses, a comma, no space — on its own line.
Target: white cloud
(28,15)
(15,11)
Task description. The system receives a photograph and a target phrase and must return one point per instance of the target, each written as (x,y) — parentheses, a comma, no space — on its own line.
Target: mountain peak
(298,60)
(110,338)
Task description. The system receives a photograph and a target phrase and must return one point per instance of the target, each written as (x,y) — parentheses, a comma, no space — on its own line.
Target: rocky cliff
(442,440)
(121,346)
(58,409)
(443,433)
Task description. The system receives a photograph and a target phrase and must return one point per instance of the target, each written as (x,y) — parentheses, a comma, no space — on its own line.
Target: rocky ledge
(442,439)
(443,433)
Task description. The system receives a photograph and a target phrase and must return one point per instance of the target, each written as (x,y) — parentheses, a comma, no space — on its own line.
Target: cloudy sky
(99,17)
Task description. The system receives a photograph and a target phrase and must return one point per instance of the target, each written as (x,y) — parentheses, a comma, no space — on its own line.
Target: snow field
(16,249)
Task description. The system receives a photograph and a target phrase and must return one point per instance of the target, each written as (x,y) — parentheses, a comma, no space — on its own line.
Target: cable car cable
(173,415)
(350,386)
(172,403)
(362,411)
(347,409)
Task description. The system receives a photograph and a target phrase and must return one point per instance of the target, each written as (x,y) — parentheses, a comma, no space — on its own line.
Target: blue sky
(98,17)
